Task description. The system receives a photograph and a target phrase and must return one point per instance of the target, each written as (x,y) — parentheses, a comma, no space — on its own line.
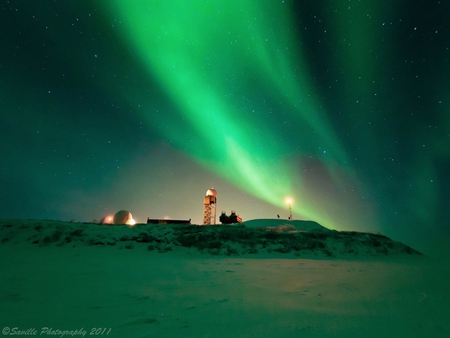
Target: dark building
(168,221)
(233,218)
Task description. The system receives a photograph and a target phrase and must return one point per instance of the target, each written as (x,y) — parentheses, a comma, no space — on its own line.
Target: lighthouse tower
(209,210)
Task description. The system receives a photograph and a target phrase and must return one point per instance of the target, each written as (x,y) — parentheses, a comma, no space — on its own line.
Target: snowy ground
(132,291)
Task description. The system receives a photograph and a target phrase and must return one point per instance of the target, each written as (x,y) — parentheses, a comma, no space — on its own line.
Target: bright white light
(288,200)
(131,222)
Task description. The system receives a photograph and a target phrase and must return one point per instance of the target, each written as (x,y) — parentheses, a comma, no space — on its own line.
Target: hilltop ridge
(263,238)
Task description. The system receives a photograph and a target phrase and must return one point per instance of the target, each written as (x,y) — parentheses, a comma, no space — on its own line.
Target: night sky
(144,105)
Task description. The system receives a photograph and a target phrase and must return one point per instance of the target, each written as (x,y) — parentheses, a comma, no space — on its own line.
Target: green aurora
(145,104)
(234,71)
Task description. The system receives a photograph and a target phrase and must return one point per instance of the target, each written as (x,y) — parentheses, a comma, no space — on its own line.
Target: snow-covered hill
(73,279)
(257,237)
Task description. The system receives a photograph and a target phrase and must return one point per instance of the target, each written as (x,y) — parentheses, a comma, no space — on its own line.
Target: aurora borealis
(144,105)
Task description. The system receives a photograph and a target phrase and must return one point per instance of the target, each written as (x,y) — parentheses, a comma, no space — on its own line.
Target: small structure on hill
(168,221)
(123,217)
(233,218)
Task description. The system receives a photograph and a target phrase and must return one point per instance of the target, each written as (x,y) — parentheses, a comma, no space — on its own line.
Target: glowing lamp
(289,201)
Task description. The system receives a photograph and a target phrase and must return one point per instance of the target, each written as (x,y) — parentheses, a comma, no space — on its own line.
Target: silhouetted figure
(278,215)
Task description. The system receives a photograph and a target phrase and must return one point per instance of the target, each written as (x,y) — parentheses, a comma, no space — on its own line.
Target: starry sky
(143,105)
